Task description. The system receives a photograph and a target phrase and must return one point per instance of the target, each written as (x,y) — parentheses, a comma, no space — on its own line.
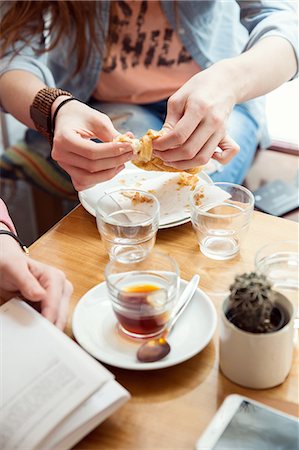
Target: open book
(52,392)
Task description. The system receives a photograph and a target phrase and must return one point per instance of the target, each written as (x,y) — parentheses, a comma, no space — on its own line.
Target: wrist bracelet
(16,238)
(57,109)
(40,110)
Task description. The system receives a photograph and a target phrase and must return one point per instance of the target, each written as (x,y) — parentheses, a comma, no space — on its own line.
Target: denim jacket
(210,31)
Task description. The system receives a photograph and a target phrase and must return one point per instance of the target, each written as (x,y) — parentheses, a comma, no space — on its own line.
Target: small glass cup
(220,215)
(128,220)
(279,262)
(143,293)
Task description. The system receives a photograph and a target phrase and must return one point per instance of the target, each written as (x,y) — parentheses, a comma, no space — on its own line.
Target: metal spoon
(157,348)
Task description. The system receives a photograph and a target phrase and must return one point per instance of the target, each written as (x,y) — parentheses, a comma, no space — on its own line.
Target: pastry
(143,149)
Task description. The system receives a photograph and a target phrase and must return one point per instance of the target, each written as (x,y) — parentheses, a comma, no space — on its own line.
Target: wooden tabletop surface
(169,407)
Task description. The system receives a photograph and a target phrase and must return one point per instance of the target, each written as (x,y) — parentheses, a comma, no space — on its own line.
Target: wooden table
(170,407)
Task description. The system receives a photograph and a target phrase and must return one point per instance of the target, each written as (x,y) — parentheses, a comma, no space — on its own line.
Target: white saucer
(95,329)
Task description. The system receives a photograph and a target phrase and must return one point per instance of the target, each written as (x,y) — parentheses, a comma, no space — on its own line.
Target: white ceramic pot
(257,360)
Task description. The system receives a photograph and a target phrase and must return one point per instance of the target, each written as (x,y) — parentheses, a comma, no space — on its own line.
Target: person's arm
(271,18)
(23,73)
(85,161)
(5,220)
(17,91)
(35,281)
(261,69)
(198,112)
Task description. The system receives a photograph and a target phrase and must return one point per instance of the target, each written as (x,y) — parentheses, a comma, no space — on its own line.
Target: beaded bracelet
(40,110)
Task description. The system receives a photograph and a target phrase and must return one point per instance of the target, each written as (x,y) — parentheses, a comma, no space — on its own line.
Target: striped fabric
(21,162)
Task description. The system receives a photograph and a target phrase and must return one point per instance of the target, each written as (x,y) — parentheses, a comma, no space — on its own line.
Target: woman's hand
(196,121)
(33,280)
(87,162)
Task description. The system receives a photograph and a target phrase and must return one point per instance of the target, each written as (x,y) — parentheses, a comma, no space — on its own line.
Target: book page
(45,375)
(85,418)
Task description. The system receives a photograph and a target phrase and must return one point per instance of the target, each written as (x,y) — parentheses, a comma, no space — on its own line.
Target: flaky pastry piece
(143,149)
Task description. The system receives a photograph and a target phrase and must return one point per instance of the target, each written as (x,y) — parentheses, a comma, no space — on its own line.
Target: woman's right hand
(87,162)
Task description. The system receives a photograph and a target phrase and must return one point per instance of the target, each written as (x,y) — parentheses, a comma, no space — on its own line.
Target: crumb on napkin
(199,196)
(137,198)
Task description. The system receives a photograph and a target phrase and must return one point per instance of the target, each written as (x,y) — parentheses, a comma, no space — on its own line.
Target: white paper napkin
(172,195)
(212,196)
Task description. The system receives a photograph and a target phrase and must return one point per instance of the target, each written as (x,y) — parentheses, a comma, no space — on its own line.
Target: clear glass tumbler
(220,215)
(143,293)
(279,261)
(128,220)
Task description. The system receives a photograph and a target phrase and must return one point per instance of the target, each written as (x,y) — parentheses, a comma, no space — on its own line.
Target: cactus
(251,304)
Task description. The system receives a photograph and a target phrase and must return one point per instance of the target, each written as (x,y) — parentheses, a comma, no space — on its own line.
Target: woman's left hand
(196,121)
(34,281)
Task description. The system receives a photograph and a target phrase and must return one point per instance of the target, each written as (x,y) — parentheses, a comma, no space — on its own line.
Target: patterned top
(146,61)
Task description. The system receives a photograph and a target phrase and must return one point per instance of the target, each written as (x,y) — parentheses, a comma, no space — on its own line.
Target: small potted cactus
(252,305)
(256,336)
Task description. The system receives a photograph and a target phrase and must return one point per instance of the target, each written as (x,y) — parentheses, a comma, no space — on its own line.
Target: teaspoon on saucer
(157,348)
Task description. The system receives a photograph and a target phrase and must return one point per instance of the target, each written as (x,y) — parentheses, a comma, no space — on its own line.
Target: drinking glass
(220,215)
(279,261)
(143,293)
(128,220)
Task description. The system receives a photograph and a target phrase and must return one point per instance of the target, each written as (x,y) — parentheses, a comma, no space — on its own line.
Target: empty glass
(143,293)
(220,215)
(279,261)
(128,220)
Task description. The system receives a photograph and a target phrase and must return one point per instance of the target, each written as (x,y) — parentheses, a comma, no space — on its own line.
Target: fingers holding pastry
(229,149)
(143,147)
(156,164)
(143,151)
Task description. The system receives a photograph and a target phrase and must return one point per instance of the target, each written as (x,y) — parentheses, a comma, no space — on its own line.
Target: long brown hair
(23,20)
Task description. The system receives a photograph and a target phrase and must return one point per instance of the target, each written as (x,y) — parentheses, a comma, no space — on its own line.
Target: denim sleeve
(29,63)
(270,18)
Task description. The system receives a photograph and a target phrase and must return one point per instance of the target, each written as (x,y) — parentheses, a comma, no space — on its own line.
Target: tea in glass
(143,294)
